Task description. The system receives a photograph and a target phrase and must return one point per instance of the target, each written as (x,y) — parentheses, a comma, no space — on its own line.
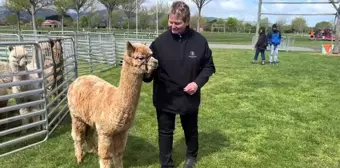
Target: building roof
(51,22)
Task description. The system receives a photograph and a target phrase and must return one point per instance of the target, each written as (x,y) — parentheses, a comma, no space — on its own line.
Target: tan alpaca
(54,66)
(5,68)
(96,104)
(17,62)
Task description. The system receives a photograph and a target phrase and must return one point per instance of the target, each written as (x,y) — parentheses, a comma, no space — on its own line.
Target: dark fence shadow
(209,143)
(139,152)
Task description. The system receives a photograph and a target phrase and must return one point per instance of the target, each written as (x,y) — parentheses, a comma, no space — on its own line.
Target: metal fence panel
(95,51)
(26,88)
(85,52)
(7,38)
(49,98)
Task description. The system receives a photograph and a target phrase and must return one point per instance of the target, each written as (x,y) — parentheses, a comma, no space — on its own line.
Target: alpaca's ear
(130,48)
(10,48)
(51,42)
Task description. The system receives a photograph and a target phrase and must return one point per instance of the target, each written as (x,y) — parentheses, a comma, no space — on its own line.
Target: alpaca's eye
(141,58)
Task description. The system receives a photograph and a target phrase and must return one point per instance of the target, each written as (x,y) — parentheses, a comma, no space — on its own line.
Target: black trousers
(166,127)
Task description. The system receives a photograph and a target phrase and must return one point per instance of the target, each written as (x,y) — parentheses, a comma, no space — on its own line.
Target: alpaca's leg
(78,135)
(105,150)
(91,140)
(119,142)
(37,117)
(22,110)
(24,121)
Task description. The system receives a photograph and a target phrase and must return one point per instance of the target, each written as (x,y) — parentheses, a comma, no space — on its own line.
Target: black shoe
(190,163)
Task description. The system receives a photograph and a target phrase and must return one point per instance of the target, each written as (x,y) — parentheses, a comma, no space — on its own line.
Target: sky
(247,9)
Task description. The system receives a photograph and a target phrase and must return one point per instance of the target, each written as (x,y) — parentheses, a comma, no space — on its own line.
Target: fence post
(40,65)
(114,54)
(90,52)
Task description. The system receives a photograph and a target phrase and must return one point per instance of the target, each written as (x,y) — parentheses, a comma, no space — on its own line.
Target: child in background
(274,39)
(261,45)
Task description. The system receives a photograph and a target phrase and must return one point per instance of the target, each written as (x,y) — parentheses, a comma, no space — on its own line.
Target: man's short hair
(181,10)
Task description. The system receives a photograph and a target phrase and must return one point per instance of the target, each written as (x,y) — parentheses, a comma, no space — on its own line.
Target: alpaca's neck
(130,86)
(16,69)
(33,63)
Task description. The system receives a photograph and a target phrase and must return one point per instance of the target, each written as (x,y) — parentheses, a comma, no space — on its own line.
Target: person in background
(274,39)
(261,45)
(185,66)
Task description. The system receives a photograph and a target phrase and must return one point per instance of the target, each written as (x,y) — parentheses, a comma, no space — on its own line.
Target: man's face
(176,24)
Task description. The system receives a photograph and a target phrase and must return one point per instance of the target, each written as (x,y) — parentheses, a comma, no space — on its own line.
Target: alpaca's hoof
(79,159)
(92,151)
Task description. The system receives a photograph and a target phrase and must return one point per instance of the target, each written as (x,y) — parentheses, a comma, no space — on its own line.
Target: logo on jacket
(192,54)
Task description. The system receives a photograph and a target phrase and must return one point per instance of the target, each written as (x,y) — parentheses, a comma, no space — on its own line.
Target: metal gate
(30,113)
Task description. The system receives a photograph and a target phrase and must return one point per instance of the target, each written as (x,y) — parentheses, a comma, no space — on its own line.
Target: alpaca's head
(57,51)
(140,55)
(17,56)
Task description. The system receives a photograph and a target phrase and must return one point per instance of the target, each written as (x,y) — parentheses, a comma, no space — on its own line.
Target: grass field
(261,116)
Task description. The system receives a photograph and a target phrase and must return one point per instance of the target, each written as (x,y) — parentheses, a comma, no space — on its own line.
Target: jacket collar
(183,35)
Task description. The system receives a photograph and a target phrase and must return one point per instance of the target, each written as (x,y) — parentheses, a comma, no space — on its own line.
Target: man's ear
(129,48)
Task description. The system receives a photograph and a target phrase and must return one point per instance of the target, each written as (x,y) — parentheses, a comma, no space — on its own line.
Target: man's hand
(191,88)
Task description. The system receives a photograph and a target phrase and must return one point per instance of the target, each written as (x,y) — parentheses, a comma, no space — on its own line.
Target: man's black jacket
(182,59)
(262,42)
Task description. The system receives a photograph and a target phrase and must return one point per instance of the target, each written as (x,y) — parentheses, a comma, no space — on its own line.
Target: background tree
(163,9)
(84,21)
(193,21)
(81,5)
(40,21)
(299,24)
(163,22)
(144,18)
(11,19)
(129,8)
(323,25)
(116,18)
(281,22)
(94,20)
(32,7)
(240,25)
(264,22)
(62,6)
(200,4)
(231,23)
(110,6)
(16,8)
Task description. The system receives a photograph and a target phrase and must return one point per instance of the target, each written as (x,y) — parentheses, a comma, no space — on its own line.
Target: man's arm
(269,37)
(147,77)
(207,68)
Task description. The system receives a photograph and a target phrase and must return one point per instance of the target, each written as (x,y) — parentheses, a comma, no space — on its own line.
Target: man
(184,67)
(261,45)
(274,39)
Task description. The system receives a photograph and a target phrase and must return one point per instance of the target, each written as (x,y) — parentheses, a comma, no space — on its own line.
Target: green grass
(260,116)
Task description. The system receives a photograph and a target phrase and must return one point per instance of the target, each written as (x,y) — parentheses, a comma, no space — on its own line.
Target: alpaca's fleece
(17,58)
(96,104)
(5,68)
(18,61)
(3,103)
